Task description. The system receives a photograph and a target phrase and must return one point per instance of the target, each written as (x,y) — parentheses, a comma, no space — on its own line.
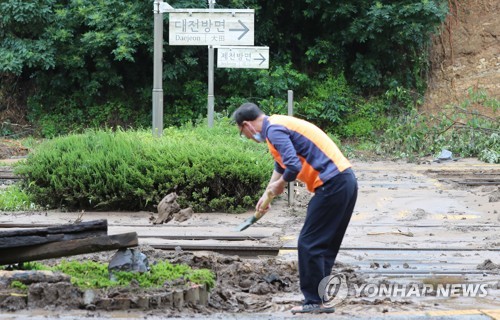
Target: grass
(95,275)
(13,198)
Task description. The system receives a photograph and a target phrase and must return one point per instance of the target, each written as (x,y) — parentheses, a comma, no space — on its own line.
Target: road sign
(243,57)
(200,27)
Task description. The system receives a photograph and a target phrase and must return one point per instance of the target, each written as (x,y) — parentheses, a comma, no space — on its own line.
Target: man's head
(249,119)
(246,112)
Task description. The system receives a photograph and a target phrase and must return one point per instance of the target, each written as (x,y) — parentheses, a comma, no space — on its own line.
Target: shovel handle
(270,197)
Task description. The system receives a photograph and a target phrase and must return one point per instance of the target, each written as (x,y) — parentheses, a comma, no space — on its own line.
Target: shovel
(257,215)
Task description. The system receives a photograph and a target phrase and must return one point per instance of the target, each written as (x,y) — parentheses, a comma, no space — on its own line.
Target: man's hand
(263,205)
(277,187)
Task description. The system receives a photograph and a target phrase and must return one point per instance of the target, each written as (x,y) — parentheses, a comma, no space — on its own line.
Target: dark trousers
(328,215)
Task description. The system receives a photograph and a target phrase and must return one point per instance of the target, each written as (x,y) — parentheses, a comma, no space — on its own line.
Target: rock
(488,265)
(183,214)
(129,260)
(166,208)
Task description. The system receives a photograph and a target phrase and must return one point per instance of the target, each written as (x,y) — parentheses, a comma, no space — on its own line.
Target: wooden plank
(23,241)
(67,248)
(242,248)
(67,228)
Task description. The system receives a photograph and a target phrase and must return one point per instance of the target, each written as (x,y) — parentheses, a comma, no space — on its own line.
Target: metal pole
(210,99)
(291,186)
(158,71)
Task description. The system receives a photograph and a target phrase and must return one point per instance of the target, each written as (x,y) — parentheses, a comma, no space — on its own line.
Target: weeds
(91,274)
(14,198)
(461,129)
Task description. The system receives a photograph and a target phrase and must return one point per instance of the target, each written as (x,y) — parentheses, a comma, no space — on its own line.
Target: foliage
(366,120)
(209,168)
(269,88)
(461,129)
(381,42)
(18,285)
(89,63)
(330,100)
(13,198)
(91,274)
(163,272)
(24,38)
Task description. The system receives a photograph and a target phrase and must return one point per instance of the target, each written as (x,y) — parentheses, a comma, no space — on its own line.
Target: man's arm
(276,186)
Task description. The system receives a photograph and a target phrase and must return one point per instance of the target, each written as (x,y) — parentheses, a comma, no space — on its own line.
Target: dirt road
(434,224)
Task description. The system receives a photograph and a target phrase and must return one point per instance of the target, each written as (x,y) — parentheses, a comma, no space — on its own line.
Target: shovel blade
(247,223)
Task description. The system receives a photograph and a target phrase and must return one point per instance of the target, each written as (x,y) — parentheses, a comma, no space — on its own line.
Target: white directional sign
(243,57)
(200,27)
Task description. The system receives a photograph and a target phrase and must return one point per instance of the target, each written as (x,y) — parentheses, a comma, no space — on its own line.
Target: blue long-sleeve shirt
(302,151)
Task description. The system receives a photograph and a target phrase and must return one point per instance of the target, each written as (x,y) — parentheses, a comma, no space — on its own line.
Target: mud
(412,224)
(488,265)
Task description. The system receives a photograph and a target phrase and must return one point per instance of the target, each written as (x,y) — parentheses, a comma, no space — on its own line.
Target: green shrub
(209,168)
(329,102)
(366,120)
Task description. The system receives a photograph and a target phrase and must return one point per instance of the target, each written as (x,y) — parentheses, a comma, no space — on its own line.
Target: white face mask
(257,136)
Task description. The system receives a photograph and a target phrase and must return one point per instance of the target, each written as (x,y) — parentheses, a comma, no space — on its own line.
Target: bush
(330,101)
(365,120)
(210,169)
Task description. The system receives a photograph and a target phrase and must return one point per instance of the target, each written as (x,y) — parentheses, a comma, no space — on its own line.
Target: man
(303,151)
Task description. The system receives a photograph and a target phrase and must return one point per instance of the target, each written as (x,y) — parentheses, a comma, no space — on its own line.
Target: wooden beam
(35,236)
(66,228)
(23,241)
(68,248)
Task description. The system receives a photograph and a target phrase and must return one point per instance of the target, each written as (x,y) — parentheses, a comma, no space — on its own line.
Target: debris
(67,240)
(131,260)
(31,276)
(488,265)
(399,233)
(445,155)
(166,208)
(275,279)
(494,196)
(183,214)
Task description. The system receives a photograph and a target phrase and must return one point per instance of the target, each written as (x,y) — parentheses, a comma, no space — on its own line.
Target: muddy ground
(429,223)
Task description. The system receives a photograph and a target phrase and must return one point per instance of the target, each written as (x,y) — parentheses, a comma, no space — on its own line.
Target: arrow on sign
(261,59)
(245,29)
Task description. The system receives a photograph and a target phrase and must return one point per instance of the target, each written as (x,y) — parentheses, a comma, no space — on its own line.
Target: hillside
(466,54)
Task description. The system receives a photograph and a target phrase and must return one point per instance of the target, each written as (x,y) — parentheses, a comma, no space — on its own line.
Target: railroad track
(379,259)
(467,177)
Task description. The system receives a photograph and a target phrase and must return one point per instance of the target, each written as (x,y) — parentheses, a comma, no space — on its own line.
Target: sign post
(210,98)
(205,27)
(158,71)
